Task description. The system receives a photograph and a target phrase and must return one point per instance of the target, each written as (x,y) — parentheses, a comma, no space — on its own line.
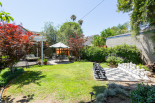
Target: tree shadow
(147,46)
(29,77)
(24,99)
(98,89)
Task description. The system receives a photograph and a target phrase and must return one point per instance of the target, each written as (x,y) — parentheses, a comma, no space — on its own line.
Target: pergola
(40,38)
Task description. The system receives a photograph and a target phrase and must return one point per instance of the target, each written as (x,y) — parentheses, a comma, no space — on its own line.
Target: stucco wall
(143,42)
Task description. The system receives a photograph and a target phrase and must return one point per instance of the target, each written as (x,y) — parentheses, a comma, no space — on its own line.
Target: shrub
(142,66)
(113,90)
(143,94)
(100,98)
(109,92)
(114,59)
(45,60)
(121,91)
(6,75)
(130,52)
(113,86)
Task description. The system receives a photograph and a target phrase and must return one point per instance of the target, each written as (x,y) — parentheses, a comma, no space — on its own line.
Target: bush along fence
(6,76)
(98,54)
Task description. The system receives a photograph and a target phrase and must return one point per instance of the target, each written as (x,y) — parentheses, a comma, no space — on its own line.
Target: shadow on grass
(29,77)
(24,99)
(96,90)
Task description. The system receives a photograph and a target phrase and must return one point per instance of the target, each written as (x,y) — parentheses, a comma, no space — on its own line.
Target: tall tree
(73,17)
(4,16)
(50,32)
(15,43)
(142,13)
(80,22)
(98,41)
(68,29)
(107,32)
(76,43)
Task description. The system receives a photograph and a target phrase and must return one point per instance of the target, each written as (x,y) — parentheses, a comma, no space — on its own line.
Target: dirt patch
(118,99)
(113,66)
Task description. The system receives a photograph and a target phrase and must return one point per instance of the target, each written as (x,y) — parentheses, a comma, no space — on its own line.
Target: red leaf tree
(76,43)
(15,43)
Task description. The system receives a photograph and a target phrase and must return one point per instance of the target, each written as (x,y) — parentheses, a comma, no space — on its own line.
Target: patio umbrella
(59,45)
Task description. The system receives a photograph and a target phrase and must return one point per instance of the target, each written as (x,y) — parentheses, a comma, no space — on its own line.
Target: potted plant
(45,61)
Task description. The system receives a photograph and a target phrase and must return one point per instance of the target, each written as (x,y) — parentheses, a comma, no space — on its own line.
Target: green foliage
(143,94)
(114,86)
(62,53)
(4,16)
(109,92)
(107,32)
(114,59)
(73,17)
(39,60)
(68,29)
(121,91)
(130,52)
(69,56)
(142,13)
(100,98)
(0,4)
(94,53)
(6,76)
(144,67)
(98,41)
(115,30)
(113,90)
(45,60)
(50,32)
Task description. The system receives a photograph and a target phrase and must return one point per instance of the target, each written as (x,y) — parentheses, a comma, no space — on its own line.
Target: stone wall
(142,41)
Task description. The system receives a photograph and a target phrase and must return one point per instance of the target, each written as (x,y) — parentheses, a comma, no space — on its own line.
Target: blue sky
(34,13)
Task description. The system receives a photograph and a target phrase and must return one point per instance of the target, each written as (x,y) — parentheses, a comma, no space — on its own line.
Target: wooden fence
(62,50)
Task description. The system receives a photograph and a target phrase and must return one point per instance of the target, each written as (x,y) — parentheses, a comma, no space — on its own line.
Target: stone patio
(50,62)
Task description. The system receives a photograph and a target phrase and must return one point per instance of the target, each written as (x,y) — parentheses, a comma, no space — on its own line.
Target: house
(88,42)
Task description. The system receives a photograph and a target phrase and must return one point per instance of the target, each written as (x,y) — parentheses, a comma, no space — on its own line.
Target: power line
(92,10)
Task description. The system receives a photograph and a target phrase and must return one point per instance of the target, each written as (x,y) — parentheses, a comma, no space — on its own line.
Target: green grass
(64,82)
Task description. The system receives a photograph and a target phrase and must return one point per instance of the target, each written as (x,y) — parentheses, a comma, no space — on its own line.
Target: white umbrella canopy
(59,45)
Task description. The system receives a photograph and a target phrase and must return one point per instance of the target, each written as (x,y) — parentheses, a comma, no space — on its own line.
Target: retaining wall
(142,41)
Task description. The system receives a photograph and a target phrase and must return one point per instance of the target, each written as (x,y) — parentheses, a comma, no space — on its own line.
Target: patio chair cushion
(31,57)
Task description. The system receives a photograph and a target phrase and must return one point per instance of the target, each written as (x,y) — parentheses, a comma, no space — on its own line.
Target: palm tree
(73,17)
(80,22)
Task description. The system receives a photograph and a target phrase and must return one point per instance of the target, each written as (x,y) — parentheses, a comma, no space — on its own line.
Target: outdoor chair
(54,56)
(31,57)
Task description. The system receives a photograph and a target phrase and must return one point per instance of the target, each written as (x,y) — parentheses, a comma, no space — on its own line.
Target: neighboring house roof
(90,38)
(88,42)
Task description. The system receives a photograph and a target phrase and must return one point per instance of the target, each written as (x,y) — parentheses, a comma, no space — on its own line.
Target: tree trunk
(11,68)
(79,56)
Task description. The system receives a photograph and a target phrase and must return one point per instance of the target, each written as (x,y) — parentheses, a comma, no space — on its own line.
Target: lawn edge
(7,85)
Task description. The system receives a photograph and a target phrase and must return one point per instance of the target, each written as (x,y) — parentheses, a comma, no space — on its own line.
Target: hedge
(98,54)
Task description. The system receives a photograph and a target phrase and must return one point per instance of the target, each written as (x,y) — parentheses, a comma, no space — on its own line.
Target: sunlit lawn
(64,82)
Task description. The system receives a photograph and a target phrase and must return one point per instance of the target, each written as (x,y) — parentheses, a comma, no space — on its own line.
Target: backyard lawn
(64,83)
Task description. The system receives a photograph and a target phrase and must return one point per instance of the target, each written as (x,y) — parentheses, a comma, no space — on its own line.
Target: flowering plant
(114,59)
